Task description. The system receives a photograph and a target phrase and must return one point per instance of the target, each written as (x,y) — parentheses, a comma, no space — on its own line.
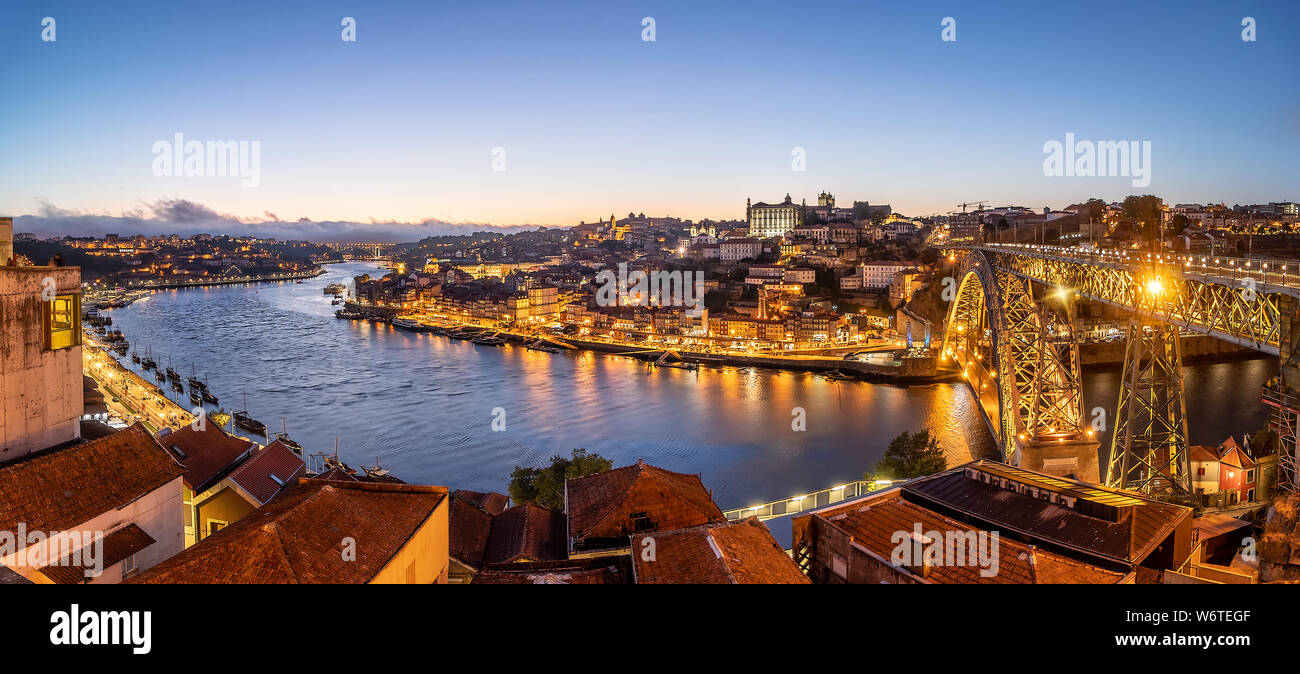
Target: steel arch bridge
(1020,356)
(1020,359)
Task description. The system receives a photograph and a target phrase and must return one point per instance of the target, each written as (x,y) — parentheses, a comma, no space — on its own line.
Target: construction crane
(973,203)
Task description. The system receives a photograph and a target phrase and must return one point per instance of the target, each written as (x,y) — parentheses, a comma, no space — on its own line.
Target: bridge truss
(995,320)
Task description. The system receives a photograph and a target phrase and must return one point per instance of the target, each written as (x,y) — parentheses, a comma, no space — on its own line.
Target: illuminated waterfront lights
(1154,286)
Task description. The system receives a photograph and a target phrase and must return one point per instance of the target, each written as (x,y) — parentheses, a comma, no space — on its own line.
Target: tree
(545,486)
(910,455)
(1177,224)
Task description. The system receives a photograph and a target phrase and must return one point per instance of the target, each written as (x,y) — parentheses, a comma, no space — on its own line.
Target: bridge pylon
(1148,450)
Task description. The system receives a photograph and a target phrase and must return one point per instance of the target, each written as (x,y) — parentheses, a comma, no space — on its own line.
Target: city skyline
(404,125)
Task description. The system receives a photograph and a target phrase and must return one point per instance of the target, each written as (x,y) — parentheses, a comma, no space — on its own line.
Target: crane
(979,203)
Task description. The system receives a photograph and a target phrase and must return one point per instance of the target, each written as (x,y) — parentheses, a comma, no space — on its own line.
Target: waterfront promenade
(128,395)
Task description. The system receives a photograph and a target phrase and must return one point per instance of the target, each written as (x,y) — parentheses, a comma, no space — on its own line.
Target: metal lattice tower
(1058,392)
(1148,451)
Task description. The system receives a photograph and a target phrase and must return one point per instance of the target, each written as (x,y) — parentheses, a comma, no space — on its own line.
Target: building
(604,509)
(40,357)
(769,220)
(1205,469)
(484,536)
(123,487)
(208,455)
(1048,530)
(1237,474)
(325,531)
(880,274)
(739,553)
(735,250)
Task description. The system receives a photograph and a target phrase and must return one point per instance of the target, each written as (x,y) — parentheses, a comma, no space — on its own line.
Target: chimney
(6,240)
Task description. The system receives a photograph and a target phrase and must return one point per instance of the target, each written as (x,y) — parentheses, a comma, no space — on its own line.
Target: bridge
(376,249)
(1010,332)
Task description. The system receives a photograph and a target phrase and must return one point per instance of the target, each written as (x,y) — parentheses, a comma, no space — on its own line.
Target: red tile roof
(670,500)
(298,537)
(469,527)
(64,488)
(973,489)
(1202,453)
(526,533)
(874,523)
(737,554)
(491,502)
(268,471)
(1237,458)
(207,454)
(118,545)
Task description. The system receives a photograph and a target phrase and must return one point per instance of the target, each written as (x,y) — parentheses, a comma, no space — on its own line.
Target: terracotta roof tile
(469,527)
(527,533)
(1202,453)
(1143,524)
(207,454)
(873,523)
(268,471)
(118,545)
(735,553)
(63,488)
(491,502)
(298,537)
(670,501)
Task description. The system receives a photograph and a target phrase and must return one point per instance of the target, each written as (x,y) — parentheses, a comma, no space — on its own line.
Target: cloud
(184,217)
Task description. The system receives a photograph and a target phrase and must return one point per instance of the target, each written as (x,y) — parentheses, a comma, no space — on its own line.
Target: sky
(403,130)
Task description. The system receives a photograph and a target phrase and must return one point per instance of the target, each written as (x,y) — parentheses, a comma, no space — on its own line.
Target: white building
(881,274)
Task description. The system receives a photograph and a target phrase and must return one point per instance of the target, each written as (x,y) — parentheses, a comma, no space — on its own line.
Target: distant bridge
(376,249)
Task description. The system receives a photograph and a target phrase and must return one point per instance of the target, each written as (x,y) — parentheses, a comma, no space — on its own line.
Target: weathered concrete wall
(40,390)
(1194,347)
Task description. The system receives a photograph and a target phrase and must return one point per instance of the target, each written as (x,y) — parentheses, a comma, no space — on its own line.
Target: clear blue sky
(400,125)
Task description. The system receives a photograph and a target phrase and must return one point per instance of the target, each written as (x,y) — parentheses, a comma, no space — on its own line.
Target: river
(422,405)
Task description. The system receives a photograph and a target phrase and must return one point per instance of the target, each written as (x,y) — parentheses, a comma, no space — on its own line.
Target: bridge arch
(1020,358)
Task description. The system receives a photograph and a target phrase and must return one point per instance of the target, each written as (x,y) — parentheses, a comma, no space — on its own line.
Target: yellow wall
(227,506)
(427,551)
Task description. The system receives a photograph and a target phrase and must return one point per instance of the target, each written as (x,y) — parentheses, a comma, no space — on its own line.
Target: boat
(195,383)
(335,289)
(148,363)
(207,395)
(336,301)
(663,362)
(539,345)
(837,375)
(344,313)
(248,423)
(489,340)
(171,374)
(135,357)
(178,387)
(283,438)
(158,374)
(194,397)
(408,324)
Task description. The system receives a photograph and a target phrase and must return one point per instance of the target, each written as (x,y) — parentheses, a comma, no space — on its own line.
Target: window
(839,566)
(128,565)
(1200,471)
(216,525)
(61,322)
(641,522)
